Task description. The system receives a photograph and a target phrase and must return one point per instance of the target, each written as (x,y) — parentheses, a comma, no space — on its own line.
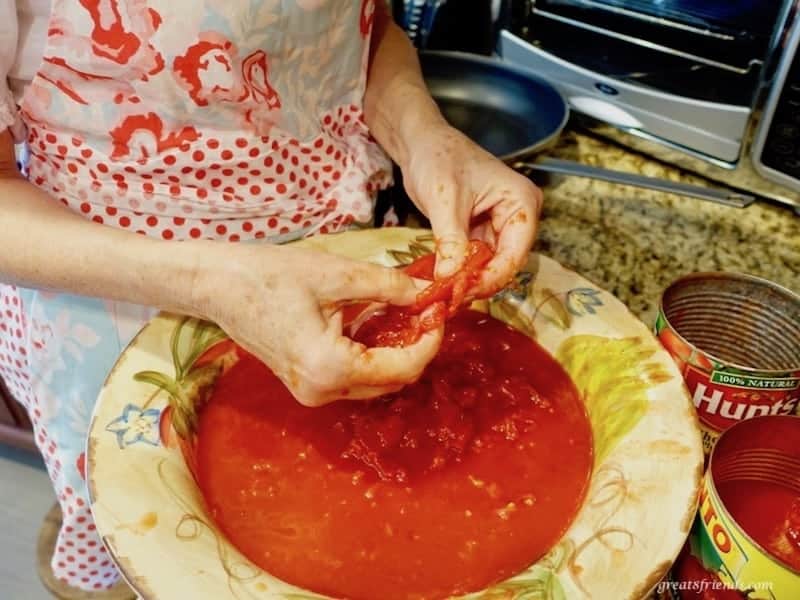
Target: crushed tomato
(451,290)
(402,326)
(456,482)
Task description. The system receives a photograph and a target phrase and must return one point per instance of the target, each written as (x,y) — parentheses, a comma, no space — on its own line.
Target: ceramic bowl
(636,515)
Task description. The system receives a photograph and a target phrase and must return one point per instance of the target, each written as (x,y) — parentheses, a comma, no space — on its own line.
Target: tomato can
(736,340)
(722,560)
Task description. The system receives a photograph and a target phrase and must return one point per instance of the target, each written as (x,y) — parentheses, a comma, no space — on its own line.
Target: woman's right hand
(283,304)
(280,303)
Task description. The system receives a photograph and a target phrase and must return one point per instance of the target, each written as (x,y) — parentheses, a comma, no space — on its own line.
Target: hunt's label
(755,383)
(723,394)
(720,405)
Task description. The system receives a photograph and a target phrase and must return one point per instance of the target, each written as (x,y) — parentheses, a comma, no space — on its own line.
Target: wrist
(399,124)
(183,278)
(192,277)
(212,278)
(420,129)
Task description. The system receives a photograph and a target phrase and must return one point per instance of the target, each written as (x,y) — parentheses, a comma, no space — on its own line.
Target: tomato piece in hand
(402,326)
(453,289)
(422,268)
(394,328)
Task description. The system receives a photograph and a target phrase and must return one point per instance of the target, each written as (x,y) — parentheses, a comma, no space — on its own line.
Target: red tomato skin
(215,352)
(402,326)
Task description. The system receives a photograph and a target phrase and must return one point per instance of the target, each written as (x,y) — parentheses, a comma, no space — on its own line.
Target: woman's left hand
(467,193)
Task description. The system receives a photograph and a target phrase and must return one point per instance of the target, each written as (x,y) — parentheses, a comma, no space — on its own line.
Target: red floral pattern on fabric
(367,17)
(210,71)
(143,136)
(143,120)
(120,41)
(68,79)
(255,72)
(113,41)
(207,70)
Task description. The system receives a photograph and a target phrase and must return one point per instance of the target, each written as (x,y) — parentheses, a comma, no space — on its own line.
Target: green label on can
(756,383)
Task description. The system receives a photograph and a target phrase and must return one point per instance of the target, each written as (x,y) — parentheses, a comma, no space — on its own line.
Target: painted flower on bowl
(136,425)
(581,301)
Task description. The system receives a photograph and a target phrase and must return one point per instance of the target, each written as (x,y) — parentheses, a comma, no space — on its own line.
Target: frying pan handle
(566,167)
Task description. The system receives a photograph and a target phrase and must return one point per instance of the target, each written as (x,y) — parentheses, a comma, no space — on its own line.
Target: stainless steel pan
(516,116)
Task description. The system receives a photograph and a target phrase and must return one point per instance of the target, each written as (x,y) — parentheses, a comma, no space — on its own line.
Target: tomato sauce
(458,481)
(769,513)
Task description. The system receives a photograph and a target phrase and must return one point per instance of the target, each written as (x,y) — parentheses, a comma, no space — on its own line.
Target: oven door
(687,72)
(710,50)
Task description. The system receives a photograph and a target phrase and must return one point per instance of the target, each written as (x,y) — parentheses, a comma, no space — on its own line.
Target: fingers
(308,396)
(368,392)
(394,366)
(354,372)
(449,218)
(451,247)
(336,367)
(366,281)
(485,232)
(515,222)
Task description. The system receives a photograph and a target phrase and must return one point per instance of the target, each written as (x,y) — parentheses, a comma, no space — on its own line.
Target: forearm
(47,246)
(397,104)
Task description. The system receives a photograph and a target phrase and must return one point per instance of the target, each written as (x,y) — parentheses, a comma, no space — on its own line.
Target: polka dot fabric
(80,555)
(13,354)
(221,186)
(177,120)
(29,349)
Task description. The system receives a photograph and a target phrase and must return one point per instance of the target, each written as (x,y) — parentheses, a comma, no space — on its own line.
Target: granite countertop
(635,242)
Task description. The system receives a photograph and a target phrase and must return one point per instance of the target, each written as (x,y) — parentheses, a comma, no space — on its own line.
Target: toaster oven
(710,85)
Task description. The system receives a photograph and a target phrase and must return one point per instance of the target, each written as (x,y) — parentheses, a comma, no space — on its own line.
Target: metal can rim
(724,509)
(731,276)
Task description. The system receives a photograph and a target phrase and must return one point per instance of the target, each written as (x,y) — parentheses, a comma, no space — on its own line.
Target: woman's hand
(280,303)
(467,193)
(463,190)
(283,305)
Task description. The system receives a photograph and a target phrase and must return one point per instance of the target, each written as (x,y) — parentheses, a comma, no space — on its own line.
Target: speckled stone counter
(634,242)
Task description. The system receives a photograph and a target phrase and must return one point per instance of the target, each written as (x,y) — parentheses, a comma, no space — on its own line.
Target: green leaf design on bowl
(536,584)
(613,377)
(418,247)
(189,385)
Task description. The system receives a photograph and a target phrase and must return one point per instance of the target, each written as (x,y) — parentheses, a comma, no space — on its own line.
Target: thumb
(451,246)
(449,216)
(367,281)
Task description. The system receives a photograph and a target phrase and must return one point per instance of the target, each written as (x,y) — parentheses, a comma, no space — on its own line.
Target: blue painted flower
(519,288)
(136,425)
(581,301)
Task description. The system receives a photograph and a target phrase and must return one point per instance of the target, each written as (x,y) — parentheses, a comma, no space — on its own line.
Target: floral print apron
(176,119)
